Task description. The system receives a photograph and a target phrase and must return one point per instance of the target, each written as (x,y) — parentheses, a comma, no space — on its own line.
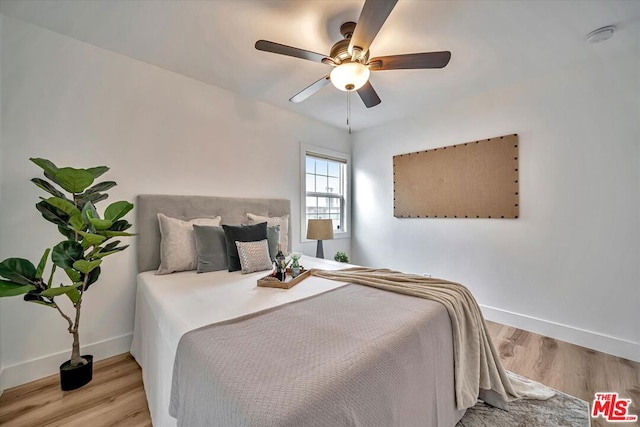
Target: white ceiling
(493,44)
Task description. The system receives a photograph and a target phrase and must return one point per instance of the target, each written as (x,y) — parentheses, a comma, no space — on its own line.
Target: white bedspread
(168,306)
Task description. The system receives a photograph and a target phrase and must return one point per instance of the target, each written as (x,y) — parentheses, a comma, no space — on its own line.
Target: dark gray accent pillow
(238,233)
(211,247)
(273,237)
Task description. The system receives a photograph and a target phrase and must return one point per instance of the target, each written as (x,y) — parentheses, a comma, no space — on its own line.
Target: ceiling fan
(349,57)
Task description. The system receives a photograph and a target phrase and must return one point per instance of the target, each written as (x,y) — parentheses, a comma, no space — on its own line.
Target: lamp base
(319,250)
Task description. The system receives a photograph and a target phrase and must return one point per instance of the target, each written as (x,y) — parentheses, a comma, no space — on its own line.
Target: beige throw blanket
(478,371)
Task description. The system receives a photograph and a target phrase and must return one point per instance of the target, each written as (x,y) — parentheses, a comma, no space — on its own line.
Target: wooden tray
(287,284)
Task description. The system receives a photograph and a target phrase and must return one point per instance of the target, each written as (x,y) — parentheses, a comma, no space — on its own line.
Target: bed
(363,383)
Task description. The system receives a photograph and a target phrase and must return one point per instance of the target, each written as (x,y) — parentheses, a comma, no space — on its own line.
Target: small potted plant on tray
(89,238)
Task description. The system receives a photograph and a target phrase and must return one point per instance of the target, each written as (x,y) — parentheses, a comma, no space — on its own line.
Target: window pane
(321,167)
(321,184)
(312,205)
(330,203)
(311,183)
(310,165)
(334,169)
(334,186)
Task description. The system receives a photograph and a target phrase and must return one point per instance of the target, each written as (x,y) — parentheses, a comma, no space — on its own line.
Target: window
(325,188)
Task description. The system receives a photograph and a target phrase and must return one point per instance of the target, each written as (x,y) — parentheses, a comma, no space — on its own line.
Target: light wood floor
(116,397)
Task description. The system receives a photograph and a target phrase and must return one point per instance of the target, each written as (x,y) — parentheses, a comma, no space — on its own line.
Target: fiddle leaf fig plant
(89,238)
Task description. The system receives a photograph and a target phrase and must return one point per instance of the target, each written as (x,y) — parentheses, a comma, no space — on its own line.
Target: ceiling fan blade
(282,49)
(310,90)
(410,61)
(369,96)
(372,17)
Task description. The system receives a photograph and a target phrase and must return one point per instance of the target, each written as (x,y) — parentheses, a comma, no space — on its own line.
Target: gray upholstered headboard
(231,209)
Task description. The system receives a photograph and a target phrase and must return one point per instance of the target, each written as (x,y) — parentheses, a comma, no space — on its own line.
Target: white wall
(1,369)
(569,266)
(160,132)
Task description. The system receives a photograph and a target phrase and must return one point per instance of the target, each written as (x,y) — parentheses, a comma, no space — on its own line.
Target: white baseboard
(22,373)
(593,340)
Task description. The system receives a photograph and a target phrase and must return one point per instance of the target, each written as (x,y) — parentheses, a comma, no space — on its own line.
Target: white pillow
(254,256)
(178,246)
(282,221)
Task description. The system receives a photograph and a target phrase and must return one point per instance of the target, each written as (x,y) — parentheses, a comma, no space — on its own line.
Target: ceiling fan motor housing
(340,50)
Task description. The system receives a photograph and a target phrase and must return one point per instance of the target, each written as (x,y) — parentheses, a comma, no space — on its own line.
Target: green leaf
(101,186)
(47,165)
(89,211)
(52,214)
(50,281)
(89,239)
(30,297)
(48,188)
(43,262)
(10,289)
(18,270)
(111,245)
(120,225)
(100,224)
(74,296)
(111,234)
(54,292)
(65,253)
(85,266)
(74,180)
(67,232)
(64,205)
(91,197)
(73,275)
(106,248)
(97,171)
(43,302)
(117,210)
(93,277)
(77,223)
(103,254)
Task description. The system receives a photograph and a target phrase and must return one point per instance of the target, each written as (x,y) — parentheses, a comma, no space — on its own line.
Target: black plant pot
(73,377)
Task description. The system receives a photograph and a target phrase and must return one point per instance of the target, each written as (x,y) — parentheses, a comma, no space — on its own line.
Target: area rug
(560,410)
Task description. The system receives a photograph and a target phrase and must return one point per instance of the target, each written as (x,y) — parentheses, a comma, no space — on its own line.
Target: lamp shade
(320,229)
(349,76)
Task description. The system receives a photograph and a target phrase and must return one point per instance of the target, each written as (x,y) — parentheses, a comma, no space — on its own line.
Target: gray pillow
(236,233)
(211,248)
(178,245)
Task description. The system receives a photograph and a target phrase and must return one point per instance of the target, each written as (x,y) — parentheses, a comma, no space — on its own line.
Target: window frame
(321,152)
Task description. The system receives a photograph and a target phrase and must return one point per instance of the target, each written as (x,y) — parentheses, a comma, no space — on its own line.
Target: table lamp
(320,229)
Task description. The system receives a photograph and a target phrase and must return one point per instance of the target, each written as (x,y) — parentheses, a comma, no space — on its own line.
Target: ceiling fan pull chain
(349,111)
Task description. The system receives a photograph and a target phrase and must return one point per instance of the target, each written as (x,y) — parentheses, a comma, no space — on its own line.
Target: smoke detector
(601,34)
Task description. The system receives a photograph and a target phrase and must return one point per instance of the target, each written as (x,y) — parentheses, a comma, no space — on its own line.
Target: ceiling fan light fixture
(350,76)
